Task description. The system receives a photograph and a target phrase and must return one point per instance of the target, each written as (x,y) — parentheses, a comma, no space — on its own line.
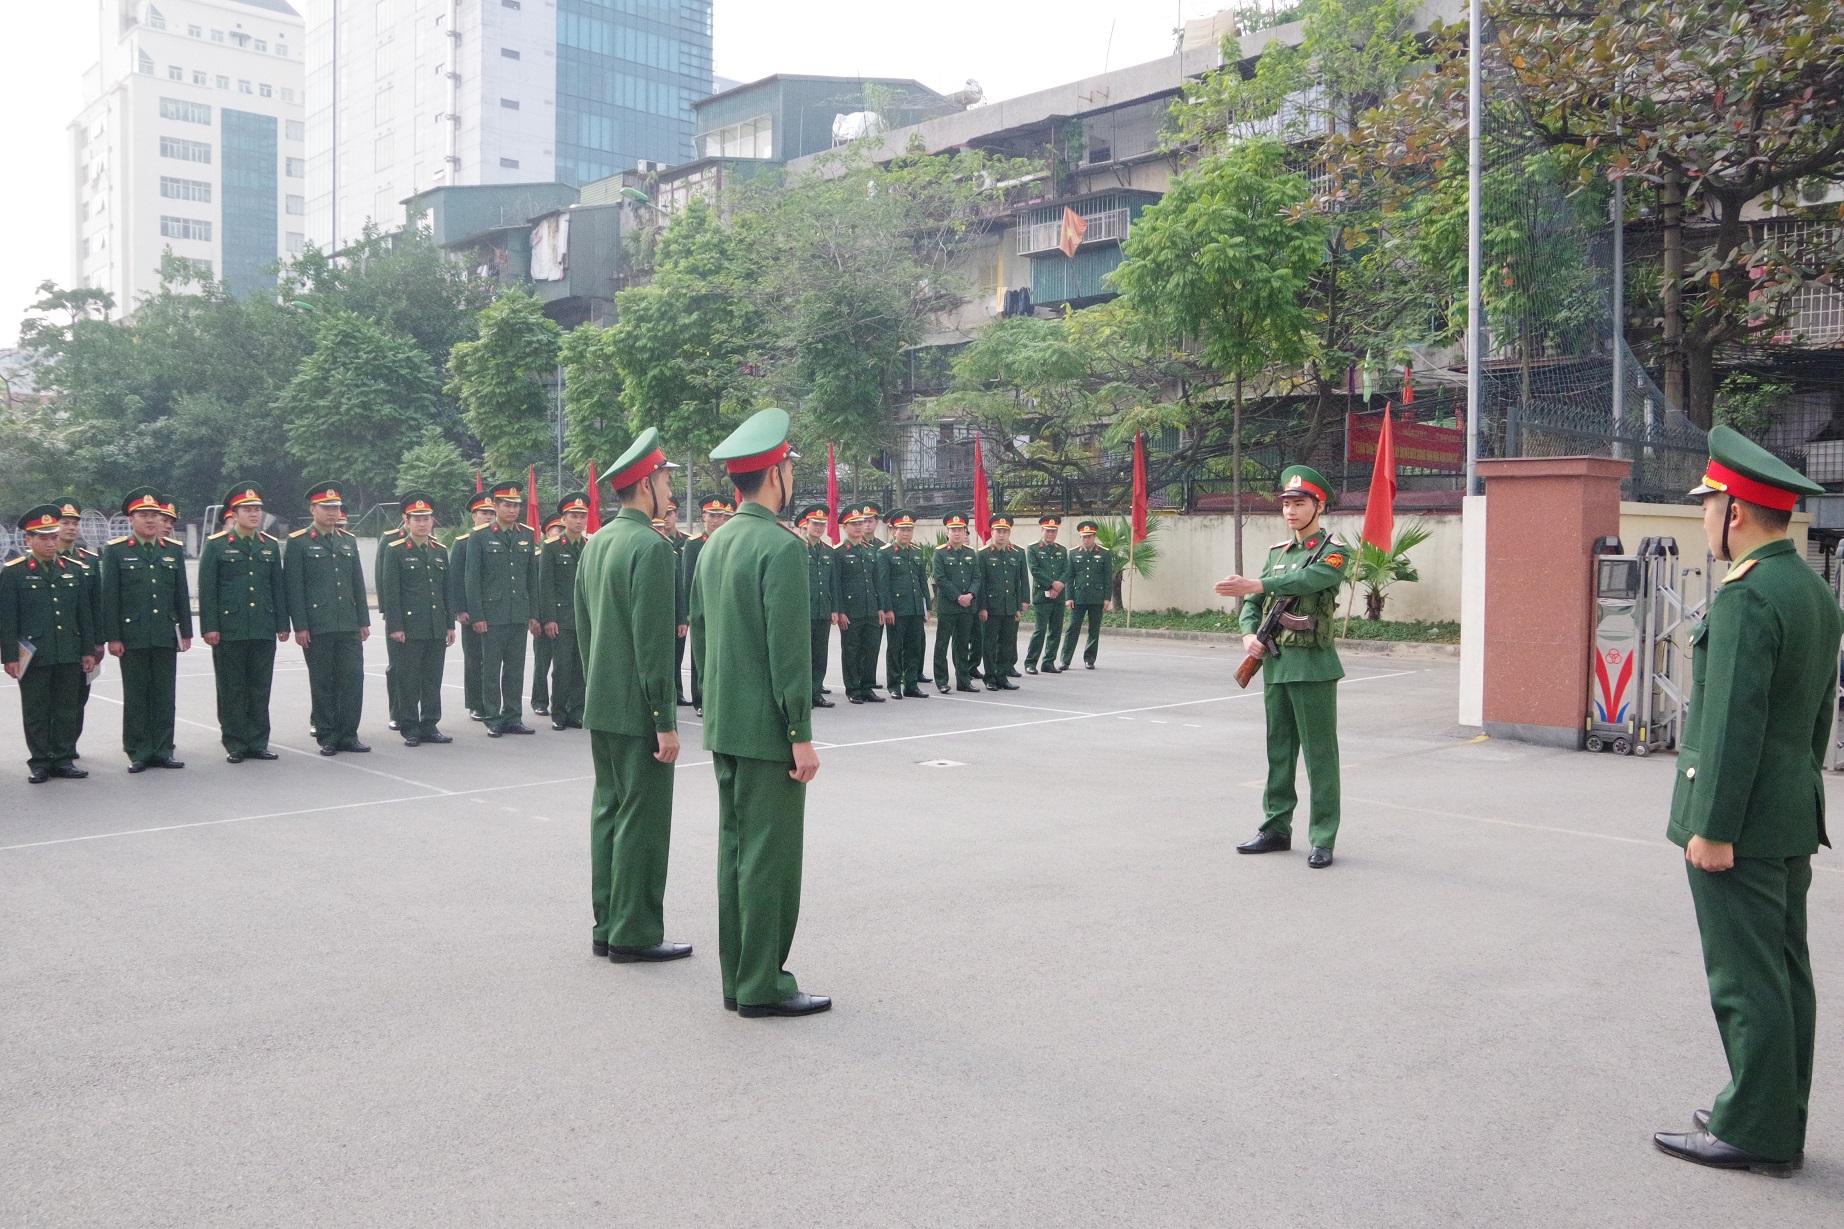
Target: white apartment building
(192,139)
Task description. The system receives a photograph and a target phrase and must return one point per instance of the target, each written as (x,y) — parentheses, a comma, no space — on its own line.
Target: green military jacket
(325,582)
(240,591)
(1091,577)
(457,571)
(905,580)
(558,564)
(957,571)
(92,581)
(413,589)
(47,604)
(502,575)
(626,622)
(1005,583)
(750,628)
(688,564)
(1305,656)
(857,566)
(682,574)
(1049,564)
(146,598)
(822,580)
(1764,681)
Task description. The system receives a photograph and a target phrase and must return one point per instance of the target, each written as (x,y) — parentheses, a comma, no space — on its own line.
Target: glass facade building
(628,72)
(252,161)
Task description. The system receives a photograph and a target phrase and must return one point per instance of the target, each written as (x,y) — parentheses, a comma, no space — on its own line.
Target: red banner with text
(1418,446)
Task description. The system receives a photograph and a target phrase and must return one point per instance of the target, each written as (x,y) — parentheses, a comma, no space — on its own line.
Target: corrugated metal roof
(274,6)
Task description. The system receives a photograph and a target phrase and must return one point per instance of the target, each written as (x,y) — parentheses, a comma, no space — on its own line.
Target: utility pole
(1475,314)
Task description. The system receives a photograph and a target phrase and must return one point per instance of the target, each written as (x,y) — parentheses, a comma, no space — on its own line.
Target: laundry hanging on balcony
(550,248)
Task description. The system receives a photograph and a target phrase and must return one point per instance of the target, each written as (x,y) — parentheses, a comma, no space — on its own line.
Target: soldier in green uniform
(1749,805)
(1089,593)
(557,568)
(880,552)
(147,622)
(626,606)
(750,622)
(666,522)
(502,587)
(957,598)
(1049,563)
(543,659)
(331,618)
(480,512)
(860,609)
(905,588)
(243,615)
(386,540)
(1300,685)
(45,602)
(419,626)
(70,523)
(822,594)
(715,510)
(1005,587)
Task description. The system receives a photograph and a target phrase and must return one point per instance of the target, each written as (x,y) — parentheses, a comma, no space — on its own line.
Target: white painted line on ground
(1074,712)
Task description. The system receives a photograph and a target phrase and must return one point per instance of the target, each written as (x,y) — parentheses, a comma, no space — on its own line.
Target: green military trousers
(336,683)
(820,640)
(957,638)
(1753,921)
(148,685)
(566,678)
(761,824)
(50,701)
(543,650)
(858,656)
(472,650)
(417,705)
(244,671)
(1046,633)
(1302,716)
(502,674)
(678,664)
(1001,647)
(908,642)
(1092,612)
(630,834)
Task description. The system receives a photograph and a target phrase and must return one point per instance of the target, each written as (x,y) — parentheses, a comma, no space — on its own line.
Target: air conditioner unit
(646,166)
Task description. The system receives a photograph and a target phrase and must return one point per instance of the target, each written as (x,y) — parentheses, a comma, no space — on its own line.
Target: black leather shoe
(1052,668)
(1320,858)
(965,687)
(1006,685)
(825,691)
(1705,1149)
(137,765)
(560,725)
(436,736)
(235,757)
(264,754)
(897,694)
(729,1004)
(393,724)
(823,702)
(599,948)
(649,955)
(923,678)
(69,772)
(943,688)
(1030,669)
(166,762)
(354,745)
(992,686)
(685,702)
(328,749)
(39,776)
(1701,1119)
(542,710)
(493,733)
(871,697)
(914,693)
(1266,842)
(517,727)
(855,699)
(474,716)
(412,742)
(802,1004)
(1088,665)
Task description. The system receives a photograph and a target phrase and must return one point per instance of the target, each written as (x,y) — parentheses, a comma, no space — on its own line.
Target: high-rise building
(191,140)
(409,95)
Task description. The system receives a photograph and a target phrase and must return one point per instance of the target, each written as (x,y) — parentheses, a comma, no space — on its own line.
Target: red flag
(1139,487)
(982,498)
(531,504)
(1380,509)
(595,500)
(1074,227)
(477,487)
(1408,386)
(832,496)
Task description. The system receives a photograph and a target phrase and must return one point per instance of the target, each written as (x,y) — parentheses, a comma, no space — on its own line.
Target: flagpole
(1130,545)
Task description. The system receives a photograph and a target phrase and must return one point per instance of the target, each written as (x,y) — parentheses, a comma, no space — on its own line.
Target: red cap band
(41,524)
(1297,483)
(418,507)
(749,465)
(638,470)
(1753,490)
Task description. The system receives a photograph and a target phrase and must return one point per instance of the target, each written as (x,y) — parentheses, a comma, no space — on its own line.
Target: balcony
(1038,238)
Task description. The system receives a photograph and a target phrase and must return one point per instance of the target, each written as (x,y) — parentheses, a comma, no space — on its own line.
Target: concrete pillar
(1539,596)
(1472,610)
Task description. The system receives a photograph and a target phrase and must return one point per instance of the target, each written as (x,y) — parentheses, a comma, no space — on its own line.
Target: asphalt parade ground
(358,991)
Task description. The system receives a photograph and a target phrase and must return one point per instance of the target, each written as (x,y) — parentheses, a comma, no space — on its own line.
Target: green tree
(1378,569)
(596,419)
(498,381)
(435,464)
(357,402)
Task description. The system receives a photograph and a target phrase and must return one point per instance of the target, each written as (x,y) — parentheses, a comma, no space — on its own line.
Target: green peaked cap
(1305,480)
(1735,452)
(638,461)
(765,431)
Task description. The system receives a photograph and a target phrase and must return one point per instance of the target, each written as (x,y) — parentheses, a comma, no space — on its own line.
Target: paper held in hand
(26,652)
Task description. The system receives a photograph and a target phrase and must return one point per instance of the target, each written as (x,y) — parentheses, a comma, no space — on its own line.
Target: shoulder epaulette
(297,533)
(267,537)
(1740,570)
(347,532)
(222,533)
(18,560)
(460,536)
(1283,542)
(532,528)
(127,537)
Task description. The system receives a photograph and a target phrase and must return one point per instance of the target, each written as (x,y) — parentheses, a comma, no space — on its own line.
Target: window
(753,138)
(281,49)
(199,78)
(261,45)
(511,164)
(509,4)
(297,130)
(297,243)
(155,18)
(223,82)
(240,38)
(511,104)
(185,112)
(185,151)
(509,53)
(297,206)
(145,63)
(185,228)
(217,36)
(194,32)
(265,91)
(295,168)
(243,87)
(288,93)
(185,189)
(197,270)
(175,72)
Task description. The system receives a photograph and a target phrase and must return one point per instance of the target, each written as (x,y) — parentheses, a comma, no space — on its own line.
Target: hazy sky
(1009,46)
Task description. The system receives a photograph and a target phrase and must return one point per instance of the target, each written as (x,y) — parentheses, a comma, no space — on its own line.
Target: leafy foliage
(436,465)
(497,381)
(1377,570)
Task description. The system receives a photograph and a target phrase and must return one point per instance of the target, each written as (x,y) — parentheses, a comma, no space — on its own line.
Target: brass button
(1690,773)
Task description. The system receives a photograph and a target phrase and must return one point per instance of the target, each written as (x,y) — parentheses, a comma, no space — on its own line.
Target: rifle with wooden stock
(1278,618)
